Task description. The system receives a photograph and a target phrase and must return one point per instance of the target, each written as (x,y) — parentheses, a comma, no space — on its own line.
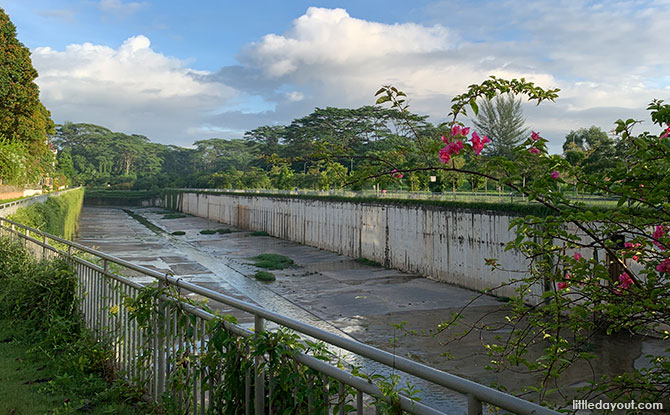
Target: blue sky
(182,71)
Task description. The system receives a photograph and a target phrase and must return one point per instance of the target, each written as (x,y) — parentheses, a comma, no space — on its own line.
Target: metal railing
(102,291)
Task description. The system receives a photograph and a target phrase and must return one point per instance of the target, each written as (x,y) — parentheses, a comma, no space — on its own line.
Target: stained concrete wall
(446,245)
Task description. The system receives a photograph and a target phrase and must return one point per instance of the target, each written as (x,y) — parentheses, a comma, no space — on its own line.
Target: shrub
(272,261)
(264,276)
(207,232)
(177,233)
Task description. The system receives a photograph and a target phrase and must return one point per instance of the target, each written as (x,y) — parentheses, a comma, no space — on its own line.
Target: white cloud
(119,7)
(132,89)
(606,60)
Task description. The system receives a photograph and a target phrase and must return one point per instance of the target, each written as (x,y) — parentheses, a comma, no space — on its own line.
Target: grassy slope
(31,383)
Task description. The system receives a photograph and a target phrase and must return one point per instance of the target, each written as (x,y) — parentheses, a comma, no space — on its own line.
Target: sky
(179,71)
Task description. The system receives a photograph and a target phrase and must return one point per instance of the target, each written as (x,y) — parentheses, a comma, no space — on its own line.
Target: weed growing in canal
(144,221)
(264,276)
(174,216)
(223,231)
(177,233)
(259,233)
(272,261)
(207,232)
(366,261)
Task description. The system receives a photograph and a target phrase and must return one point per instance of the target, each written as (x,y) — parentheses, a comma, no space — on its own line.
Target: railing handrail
(447,380)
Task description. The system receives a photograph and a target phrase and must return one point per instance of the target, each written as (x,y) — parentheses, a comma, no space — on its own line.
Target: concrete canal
(340,295)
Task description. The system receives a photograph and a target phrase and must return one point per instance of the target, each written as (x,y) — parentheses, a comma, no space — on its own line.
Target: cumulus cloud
(132,88)
(605,57)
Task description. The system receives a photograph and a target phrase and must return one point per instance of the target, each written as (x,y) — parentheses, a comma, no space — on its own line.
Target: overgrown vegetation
(40,318)
(144,221)
(178,233)
(58,215)
(272,261)
(259,233)
(369,262)
(173,216)
(264,276)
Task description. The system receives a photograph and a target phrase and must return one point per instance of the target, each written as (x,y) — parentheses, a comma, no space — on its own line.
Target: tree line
(329,148)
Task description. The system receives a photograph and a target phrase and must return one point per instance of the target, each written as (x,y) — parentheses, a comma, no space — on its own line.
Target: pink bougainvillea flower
(658,234)
(396,174)
(444,155)
(478,142)
(455,130)
(465,131)
(446,140)
(664,266)
(578,256)
(636,258)
(665,133)
(535,136)
(562,285)
(555,174)
(455,147)
(625,280)
(534,150)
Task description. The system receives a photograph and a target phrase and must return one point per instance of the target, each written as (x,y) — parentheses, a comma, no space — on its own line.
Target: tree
(24,121)
(591,148)
(501,119)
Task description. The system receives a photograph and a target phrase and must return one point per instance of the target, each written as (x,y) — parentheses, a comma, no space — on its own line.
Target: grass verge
(61,368)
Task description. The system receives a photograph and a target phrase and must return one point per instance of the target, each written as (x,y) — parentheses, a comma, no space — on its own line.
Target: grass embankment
(49,362)
(58,215)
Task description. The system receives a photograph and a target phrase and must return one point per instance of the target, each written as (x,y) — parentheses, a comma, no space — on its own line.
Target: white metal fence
(177,340)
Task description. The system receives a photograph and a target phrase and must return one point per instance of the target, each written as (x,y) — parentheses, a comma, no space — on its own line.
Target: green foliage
(599,270)
(272,261)
(208,232)
(173,216)
(259,233)
(24,121)
(178,233)
(38,300)
(58,216)
(264,276)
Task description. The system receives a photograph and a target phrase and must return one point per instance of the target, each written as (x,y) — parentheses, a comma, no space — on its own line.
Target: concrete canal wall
(445,245)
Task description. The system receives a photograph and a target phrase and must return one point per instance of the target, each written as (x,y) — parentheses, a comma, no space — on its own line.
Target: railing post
(44,246)
(474,405)
(259,381)
(160,348)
